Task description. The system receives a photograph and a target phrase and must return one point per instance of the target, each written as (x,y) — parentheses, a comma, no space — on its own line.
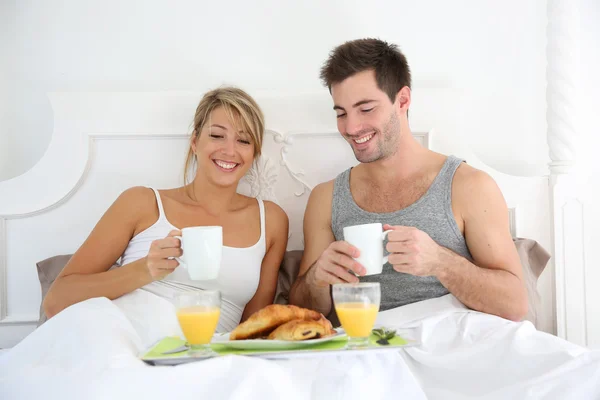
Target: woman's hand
(158,261)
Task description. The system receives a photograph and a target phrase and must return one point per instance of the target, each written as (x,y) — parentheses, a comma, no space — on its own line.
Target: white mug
(202,251)
(368,239)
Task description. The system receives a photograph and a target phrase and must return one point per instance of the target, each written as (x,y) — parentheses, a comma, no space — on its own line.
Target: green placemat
(155,354)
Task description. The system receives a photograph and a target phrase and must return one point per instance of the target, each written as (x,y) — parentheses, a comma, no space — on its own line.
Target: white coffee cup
(202,251)
(368,239)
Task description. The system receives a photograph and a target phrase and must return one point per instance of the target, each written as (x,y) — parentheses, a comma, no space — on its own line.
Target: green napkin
(337,343)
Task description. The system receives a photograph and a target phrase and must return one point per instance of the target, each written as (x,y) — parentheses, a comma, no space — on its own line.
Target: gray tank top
(432,213)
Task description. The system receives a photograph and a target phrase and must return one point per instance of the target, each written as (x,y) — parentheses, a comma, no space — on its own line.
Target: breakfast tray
(275,350)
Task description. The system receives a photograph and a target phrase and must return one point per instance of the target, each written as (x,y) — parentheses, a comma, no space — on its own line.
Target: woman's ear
(193,142)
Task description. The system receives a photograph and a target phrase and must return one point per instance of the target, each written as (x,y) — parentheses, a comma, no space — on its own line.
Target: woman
(140,226)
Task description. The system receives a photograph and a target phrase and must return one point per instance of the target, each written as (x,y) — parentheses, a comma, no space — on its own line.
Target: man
(449,220)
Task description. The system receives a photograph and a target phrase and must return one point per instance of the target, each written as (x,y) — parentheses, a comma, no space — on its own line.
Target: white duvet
(90,351)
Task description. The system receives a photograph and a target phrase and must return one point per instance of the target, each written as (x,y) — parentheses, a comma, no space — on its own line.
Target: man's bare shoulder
(473,186)
(319,201)
(468,178)
(323,190)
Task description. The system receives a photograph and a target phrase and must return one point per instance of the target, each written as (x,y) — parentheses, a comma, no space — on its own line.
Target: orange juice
(198,323)
(357,319)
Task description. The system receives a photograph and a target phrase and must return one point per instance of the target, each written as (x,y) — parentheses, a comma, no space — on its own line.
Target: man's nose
(353,125)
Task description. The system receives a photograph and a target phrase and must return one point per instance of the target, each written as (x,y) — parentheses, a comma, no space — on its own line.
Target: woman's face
(224,155)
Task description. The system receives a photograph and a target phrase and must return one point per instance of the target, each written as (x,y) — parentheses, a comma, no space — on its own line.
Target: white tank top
(238,277)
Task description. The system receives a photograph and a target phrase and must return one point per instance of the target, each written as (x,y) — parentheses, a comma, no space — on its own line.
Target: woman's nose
(229,147)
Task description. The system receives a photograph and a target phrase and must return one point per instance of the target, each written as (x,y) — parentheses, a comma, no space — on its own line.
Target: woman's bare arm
(277,226)
(87,273)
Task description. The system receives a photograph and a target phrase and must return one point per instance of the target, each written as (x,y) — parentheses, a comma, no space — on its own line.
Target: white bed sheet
(90,351)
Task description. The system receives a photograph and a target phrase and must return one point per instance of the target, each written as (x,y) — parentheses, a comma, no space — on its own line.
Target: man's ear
(403,99)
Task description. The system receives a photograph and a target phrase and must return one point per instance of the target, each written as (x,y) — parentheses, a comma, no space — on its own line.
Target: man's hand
(413,251)
(335,265)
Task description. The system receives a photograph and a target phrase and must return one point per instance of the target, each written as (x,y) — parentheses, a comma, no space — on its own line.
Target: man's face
(366,117)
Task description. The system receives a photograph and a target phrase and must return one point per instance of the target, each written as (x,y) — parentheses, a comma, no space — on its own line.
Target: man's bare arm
(324,261)
(493,283)
(317,236)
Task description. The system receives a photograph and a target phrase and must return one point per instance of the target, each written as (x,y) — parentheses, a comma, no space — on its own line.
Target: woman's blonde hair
(240,108)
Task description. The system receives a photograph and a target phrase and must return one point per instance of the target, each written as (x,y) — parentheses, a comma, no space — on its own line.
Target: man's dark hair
(391,68)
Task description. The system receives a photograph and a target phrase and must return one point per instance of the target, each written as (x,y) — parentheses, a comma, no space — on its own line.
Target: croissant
(302,330)
(264,321)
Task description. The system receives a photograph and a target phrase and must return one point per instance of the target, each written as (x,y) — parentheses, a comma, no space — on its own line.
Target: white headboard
(104,143)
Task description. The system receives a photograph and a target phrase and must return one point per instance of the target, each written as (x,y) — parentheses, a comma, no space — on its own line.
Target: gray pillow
(48,270)
(534,259)
(288,272)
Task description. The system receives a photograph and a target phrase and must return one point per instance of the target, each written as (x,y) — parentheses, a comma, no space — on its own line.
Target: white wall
(495,51)
(590,165)
(7,92)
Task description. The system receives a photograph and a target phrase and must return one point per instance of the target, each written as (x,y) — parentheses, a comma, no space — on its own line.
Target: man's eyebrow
(357,104)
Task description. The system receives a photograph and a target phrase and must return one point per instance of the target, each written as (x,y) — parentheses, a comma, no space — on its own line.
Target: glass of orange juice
(357,305)
(198,314)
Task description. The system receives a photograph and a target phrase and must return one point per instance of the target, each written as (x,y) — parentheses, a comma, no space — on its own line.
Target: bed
(104,143)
